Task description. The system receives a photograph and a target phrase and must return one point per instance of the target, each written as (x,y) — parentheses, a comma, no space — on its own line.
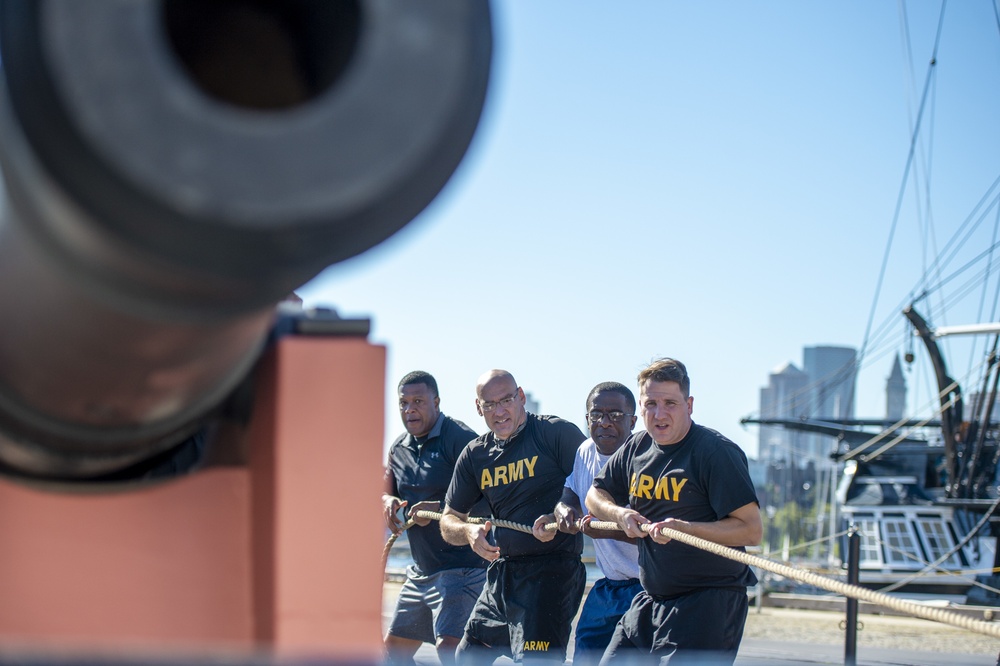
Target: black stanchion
(851,636)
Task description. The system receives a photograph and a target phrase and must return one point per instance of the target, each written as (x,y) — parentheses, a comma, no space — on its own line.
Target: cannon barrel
(173,169)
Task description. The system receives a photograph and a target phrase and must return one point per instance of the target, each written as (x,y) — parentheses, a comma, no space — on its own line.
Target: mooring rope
(803,576)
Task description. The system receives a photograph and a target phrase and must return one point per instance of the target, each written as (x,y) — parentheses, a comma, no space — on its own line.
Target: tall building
(530,403)
(822,390)
(832,375)
(796,462)
(895,393)
(784,397)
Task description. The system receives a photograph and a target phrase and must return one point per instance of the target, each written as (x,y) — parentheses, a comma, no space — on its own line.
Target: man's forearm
(389,483)
(601,505)
(740,528)
(454,529)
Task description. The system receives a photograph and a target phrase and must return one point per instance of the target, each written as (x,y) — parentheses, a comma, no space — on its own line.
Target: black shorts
(697,624)
(528,605)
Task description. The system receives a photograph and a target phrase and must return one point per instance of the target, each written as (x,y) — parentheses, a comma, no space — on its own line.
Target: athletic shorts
(702,625)
(528,605)
(437,605)
(606,603)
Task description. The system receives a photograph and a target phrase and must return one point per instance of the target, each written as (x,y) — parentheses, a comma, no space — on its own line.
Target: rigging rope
(859,450)
(825,582)
(902,187)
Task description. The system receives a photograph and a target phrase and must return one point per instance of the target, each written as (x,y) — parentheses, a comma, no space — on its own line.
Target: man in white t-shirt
(611,417)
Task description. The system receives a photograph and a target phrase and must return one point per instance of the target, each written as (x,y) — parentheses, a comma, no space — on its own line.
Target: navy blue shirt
(421,470)
(521,479)
(702,478)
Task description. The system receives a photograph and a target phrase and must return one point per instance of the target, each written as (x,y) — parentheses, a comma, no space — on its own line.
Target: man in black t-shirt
(533,588)
(689,478)
(443,582)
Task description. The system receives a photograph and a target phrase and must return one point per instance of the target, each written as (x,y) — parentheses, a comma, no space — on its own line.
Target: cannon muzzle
(175,168)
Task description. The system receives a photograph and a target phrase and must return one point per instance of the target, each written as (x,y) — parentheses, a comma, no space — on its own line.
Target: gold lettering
(508,473)
(663,488)
(631,486)
(677,486)
(645,485)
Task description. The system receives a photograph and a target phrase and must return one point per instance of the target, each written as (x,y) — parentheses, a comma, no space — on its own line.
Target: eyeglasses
(506,402)
(615,417)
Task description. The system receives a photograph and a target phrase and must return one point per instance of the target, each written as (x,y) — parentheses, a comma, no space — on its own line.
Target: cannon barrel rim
(344,191)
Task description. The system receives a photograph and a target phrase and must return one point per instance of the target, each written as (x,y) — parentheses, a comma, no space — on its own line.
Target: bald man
(533,588)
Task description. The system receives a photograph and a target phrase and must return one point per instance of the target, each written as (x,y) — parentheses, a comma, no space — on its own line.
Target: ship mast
(950,395)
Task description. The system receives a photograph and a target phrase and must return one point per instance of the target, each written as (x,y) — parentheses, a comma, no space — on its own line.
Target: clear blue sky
(713,181)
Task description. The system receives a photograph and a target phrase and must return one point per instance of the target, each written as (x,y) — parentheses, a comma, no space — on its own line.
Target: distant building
(895,393)
(784,397)
(832,373)
(796,466)
(758,475)
(530,404)
(823,389)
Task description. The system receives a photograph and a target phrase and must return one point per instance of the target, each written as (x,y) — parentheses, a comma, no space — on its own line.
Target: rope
(392,539)
(825,582)
(833,585)
(433,515)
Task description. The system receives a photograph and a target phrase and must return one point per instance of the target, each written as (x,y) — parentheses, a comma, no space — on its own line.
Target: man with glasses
(533,589)
(689,478)
(444,580)
(611,416)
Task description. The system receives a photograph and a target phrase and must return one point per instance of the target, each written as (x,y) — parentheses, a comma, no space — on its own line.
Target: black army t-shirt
(702,478)
(422,471)
(521,479)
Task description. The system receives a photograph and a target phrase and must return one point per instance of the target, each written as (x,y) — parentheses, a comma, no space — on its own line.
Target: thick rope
(831,584)
(801,575)
(392,539)
(433,515)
